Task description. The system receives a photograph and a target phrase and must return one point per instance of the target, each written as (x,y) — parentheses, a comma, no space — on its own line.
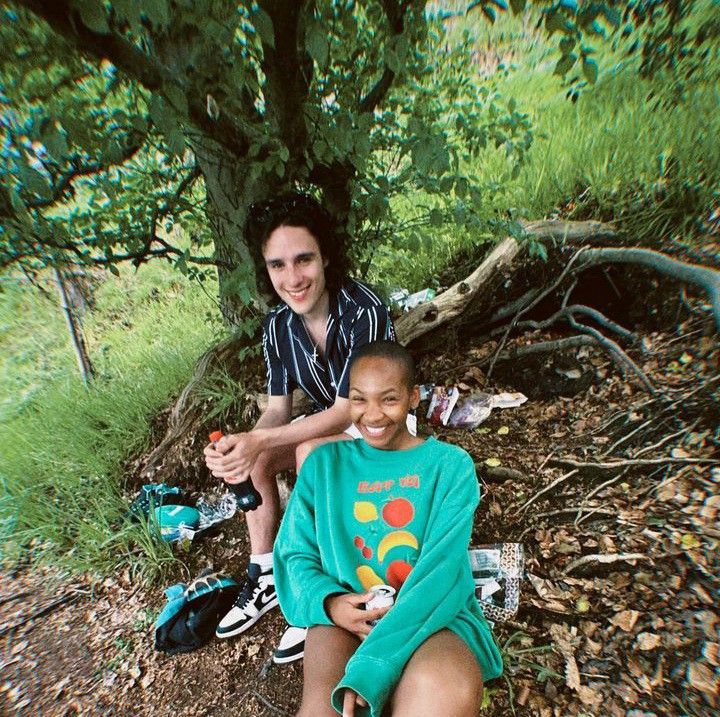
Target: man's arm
(235,455)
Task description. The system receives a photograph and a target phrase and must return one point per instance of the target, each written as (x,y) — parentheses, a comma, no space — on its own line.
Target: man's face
(296,269)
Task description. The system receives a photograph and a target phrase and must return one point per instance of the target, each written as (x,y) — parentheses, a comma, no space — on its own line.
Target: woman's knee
(443,672)
(430,684)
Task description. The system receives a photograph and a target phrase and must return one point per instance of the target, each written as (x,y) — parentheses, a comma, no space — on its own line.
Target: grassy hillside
(62,443)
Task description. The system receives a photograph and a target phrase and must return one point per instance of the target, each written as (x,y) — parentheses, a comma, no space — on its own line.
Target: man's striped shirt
(357,316)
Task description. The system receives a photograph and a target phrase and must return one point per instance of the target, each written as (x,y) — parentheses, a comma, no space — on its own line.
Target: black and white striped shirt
(357,317)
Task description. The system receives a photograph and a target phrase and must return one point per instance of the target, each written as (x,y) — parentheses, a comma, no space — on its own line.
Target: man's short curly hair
(298,210)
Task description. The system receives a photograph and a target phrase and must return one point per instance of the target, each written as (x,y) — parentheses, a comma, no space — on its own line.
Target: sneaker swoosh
(266,597)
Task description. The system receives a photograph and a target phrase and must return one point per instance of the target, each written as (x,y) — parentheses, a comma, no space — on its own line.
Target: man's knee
(265,468)
(303,450)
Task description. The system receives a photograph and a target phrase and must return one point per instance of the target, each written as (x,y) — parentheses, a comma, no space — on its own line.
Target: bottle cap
(216,436)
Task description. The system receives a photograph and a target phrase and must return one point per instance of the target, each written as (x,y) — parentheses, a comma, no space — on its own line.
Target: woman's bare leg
(441,678)
(327,651)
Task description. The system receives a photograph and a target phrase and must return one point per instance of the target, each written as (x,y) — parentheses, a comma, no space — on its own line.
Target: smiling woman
(392,512)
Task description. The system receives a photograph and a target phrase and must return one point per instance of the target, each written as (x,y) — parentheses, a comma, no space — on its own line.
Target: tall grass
(632,151)
(62,451)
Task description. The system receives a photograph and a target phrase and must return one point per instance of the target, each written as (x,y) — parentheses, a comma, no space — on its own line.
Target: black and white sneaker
(255,599)
(291,647)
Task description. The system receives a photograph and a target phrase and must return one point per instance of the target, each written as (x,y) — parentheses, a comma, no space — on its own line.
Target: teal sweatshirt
(361,516)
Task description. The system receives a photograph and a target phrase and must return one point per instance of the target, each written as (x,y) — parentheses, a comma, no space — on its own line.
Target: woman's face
(296,269)
(380,400)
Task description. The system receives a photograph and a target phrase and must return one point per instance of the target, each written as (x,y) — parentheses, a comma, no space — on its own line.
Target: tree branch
(143,68)
(81,170)
(395,12)
(702,276)
(288,74)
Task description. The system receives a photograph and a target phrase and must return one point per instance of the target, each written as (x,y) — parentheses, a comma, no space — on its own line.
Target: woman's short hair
(298,210)
(391,351)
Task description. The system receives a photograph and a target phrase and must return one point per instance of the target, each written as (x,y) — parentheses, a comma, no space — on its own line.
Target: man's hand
(233,457)
(347,611)
(352,699)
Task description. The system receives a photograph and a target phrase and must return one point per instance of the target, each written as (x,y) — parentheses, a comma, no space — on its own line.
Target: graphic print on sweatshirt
(386,548)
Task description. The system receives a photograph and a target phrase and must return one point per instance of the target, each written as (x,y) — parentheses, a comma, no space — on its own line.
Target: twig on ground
(611,465)
(542,347)
(626,437)
(621,358)
(498,474)
(273,707)
(665,481)
(562,511)
(548,488)
(605,559)
(547,458)
(17,596)
(664,440)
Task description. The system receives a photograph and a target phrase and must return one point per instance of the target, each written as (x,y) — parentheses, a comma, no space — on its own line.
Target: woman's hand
(347,611)
(350,701)
(233,457)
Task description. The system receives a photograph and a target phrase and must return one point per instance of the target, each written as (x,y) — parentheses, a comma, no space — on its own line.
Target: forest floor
(618,615)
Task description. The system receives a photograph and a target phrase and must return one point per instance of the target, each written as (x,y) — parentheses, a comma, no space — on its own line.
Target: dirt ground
(619,612)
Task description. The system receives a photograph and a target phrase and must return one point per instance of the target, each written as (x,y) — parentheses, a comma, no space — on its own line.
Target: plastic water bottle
(245,493)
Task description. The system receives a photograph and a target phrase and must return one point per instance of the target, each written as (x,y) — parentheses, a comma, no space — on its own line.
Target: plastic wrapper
(442,402)
(472,410)
(497,571)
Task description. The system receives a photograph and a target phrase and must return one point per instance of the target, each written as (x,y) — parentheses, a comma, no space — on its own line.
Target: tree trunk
(231,188)
(76,337)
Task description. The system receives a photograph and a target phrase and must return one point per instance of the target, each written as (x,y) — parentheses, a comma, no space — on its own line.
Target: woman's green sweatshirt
(361,516)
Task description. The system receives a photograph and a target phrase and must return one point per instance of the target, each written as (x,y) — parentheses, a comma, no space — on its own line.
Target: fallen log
(455,300)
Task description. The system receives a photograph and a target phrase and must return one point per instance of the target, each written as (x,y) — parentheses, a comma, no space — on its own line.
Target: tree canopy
(125,120)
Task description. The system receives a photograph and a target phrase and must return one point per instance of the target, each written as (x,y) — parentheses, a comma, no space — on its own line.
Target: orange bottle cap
(216,436)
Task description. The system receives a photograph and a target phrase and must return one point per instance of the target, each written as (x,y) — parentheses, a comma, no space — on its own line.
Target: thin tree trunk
(76,337)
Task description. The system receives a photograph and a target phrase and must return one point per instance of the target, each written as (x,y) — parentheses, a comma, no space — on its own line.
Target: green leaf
(396,54)
(435,218)
(156,11)
(590,70)
(264,26)
(612,15)
(165,119)
(93,16)
(113,269)
(517,6)
(18,205)
(490,13)
(176,97)
(317,43)
(33,181)
(565,63)
(55,142)
(376,207)
(130,11)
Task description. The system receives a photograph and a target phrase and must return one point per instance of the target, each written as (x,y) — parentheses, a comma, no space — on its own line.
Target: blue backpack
(193,612)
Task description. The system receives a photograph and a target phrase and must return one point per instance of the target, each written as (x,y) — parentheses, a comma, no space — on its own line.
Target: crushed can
(383,596)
